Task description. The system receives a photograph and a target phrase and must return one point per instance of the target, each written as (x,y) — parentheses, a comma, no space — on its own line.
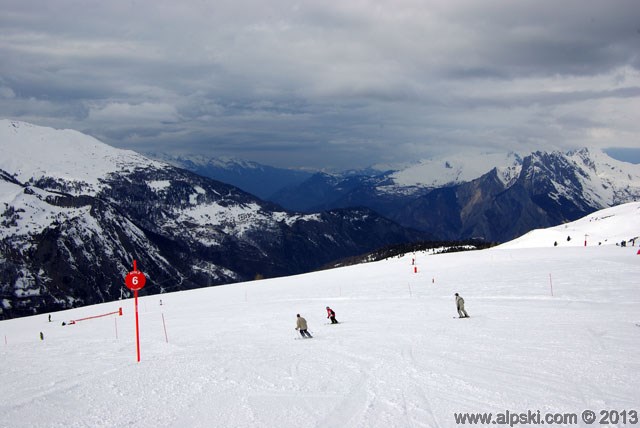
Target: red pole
(96,316)
(135,295)
(551,285)
(116,322)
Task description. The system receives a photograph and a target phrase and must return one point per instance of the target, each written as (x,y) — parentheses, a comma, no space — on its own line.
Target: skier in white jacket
(460,306)
(301,325)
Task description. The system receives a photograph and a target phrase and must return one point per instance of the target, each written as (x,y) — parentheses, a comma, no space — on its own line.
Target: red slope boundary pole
(119,312)
(135,295)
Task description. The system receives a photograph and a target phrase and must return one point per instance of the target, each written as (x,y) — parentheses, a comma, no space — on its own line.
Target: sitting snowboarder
(331,315)
(460,306)
(301,325)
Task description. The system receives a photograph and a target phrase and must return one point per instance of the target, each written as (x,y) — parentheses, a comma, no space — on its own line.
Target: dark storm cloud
(326,84)
(542,38)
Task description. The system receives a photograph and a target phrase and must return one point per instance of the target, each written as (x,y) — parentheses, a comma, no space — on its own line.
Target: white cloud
(6,92)
(133,112)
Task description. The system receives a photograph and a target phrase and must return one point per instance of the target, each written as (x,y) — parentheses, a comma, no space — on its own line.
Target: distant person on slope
(301,325)
(331,315)
(460,306)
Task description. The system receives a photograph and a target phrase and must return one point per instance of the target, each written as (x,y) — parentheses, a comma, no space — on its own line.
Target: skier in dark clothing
(331,315)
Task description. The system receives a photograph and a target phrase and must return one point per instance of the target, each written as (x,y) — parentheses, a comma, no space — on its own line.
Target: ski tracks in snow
(384,394)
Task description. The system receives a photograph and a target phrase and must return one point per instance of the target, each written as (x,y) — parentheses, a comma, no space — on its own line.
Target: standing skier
(301,325)
(331,315)
(460,306)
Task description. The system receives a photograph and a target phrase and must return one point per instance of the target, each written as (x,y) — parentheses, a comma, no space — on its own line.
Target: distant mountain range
(495,197)
(257,179)
(76,212)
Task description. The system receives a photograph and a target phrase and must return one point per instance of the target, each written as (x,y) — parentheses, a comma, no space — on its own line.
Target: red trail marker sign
(135,280)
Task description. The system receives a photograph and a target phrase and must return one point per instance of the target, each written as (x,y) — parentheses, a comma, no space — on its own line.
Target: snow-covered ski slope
(399,358)
(609,226)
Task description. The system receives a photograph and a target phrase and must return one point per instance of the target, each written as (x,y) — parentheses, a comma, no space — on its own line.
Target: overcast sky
(327,84)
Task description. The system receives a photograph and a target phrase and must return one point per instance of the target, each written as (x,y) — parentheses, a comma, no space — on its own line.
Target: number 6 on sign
(135,280)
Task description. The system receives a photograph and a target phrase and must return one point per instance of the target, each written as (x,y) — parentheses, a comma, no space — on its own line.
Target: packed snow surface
(555,329)
(605,227)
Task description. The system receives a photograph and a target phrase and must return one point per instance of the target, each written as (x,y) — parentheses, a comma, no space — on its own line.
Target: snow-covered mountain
(493,196)
(453,170)
(465,197)
(553,332)
(75,212)
(77,162)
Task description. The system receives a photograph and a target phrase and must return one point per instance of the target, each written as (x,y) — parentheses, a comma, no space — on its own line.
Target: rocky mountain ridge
(541,189)
(76,212)
(490,196)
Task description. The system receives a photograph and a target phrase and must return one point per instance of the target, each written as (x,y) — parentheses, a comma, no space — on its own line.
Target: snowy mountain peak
(580,174)
(32,153)
(458,169)
(604,181)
